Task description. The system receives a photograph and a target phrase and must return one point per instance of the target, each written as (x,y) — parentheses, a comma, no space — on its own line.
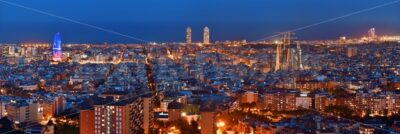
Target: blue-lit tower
(57,53)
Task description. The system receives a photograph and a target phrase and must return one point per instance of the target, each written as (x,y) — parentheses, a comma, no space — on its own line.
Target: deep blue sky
(166,20)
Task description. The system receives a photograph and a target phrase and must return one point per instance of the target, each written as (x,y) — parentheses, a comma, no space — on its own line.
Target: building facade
(57,52)
(206,36)
(188,35)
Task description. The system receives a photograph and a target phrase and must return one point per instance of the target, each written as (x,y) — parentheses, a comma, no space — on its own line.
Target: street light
(220,126)
(183,114)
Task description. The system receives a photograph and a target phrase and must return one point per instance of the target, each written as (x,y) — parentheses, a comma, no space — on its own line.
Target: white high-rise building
(206,37)
(371,34)
(278,57)
(11,50)
(188,35)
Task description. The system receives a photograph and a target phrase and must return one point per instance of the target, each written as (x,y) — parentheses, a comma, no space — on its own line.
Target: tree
(66,129)
(194,128)
(5,125)
(248,105)
(184,126)
(340,110)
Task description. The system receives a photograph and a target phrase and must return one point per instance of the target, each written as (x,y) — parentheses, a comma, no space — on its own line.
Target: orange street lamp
(220,126)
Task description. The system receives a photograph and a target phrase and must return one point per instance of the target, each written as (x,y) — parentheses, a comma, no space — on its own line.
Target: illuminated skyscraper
(57,53)
(278,57)
(112,118)
(206,38)
(299,62)
(288,57)
(11,50)
(281,60)
(371,33)
(342,40)
(188,35)
(117,114)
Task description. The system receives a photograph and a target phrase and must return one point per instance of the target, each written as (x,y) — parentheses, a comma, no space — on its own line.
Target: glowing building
(299,63)
(206,36)
(288,56)
(342,40)
(57,53)
(371,33)
(278,57)
(188,35)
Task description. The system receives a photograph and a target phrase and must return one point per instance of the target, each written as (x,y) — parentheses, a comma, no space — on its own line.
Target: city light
(199,72)
(220,124)
(183,114)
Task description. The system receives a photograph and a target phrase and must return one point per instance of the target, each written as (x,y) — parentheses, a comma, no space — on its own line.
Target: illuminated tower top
(188,35)
(371,33)
(57,41)
(206,38)
(57,53)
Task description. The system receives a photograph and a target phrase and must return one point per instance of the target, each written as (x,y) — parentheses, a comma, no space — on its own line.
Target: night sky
(166,20)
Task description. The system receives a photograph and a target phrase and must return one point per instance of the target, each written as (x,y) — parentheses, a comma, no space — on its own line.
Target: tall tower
(283,52)
(371,34)
(278,57)
(188,35)
(206,38)
(57,52)
(299,62)
(287,38)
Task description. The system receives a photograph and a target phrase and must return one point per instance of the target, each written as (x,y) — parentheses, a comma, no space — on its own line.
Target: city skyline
(265,20)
